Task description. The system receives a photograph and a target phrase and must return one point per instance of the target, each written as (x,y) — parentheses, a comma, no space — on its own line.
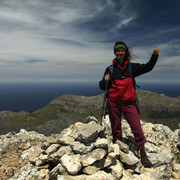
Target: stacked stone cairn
(85,151)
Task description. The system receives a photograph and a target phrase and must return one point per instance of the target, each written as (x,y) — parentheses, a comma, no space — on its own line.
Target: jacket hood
(121,67)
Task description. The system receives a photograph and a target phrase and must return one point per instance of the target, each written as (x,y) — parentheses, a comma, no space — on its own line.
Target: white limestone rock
(71,163)
(101,143)
(92,157)
(81,148)
(128,158)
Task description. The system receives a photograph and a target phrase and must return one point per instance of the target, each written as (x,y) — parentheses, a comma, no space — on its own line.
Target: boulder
(92,157)
(71,163)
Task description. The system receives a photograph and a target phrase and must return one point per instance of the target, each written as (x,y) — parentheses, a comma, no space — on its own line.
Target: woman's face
(120,53)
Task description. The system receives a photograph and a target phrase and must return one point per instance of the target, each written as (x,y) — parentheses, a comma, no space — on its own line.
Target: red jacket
(121,84)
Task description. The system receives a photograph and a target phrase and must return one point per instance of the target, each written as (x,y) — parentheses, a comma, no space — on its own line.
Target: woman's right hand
(107,77)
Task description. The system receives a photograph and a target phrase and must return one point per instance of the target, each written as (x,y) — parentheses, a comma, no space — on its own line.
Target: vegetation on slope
(68,109)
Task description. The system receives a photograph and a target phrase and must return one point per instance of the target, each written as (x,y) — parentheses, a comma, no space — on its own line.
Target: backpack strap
(135,85)
(130,68)
(111,69)
(134,81)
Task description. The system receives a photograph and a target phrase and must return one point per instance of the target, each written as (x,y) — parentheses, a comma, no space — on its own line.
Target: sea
(29,97)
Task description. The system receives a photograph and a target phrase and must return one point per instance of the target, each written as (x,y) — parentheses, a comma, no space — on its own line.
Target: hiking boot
(145,161)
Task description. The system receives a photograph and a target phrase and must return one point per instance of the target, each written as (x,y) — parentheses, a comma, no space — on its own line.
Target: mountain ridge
(67,109)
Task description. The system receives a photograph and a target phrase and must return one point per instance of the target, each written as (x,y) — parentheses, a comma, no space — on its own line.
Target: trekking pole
(104,100)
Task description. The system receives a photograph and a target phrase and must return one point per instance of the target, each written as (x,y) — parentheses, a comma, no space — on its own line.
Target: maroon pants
(130,113)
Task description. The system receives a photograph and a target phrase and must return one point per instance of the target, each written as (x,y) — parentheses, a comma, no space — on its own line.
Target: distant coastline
(32,96)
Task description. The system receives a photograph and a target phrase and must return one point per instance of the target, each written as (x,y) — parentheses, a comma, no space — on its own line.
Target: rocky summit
(85,151)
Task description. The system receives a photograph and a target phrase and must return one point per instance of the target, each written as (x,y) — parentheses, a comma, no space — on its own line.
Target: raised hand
(107,77)
(156,50)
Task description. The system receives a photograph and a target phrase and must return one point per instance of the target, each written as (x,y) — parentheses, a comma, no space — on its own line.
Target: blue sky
(72,40)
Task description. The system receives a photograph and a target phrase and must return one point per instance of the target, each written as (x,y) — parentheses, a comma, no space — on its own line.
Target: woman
(121,94)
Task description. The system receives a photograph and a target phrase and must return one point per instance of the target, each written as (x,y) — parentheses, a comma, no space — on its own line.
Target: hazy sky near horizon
(72,40)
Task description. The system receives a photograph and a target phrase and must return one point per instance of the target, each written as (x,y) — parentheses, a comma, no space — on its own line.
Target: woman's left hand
(156,50)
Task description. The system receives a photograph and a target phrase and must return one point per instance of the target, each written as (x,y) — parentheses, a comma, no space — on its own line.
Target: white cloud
(64,38)
(125,22)
(38,30)
(170,63)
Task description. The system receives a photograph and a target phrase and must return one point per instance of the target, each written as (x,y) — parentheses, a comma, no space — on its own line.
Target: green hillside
(68,109)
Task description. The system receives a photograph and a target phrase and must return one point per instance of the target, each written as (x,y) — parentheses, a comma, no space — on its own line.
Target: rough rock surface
(85,151)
